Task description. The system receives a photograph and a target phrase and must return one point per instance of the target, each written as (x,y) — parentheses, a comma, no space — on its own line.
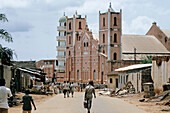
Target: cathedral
(83,56)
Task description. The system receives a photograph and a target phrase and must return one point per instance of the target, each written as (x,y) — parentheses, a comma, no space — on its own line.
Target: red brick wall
(156,31)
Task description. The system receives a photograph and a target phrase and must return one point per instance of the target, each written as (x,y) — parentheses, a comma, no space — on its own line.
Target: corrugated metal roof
(133,67)
(166,32)
(28,71)
(143,44)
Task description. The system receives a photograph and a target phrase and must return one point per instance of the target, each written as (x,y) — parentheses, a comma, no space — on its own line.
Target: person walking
(72,89)
(68,88)
(89,90)
(5,93)
(27,99)
(65,89)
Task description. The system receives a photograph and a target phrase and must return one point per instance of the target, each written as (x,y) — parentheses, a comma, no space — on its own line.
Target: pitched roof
(143,44)
(133,67)
(26,64)
(166,32)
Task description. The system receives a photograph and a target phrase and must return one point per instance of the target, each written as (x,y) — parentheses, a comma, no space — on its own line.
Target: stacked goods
(129,87)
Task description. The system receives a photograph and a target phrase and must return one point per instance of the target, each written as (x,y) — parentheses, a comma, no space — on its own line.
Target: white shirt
(4,94)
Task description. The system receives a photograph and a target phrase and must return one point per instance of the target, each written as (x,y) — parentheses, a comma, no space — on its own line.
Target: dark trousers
(3,110)
(89,105)
(66,92)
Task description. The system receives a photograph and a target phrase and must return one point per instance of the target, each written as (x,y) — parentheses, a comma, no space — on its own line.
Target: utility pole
(135,54)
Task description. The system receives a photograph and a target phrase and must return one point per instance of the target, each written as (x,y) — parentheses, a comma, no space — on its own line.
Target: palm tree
(6,54)
(4,34)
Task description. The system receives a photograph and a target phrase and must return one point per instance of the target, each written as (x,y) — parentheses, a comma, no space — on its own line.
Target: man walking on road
(5,93)
(88,95)
(72,89)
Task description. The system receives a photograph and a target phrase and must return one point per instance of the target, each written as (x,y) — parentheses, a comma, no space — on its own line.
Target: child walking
(27,99)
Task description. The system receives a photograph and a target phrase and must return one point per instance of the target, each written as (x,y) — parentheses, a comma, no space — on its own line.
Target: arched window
(77,74)
(65,24)
(56,62)
(103,38)
(69,53)
(84,44)
(115,56)
(115,21)
(87,44)
(79,25)
(102,77)
(69,39)
(115,37)
(103,51)
(70,26)
(166,39)
(69,76)
(64,33)
(111,80)
(94,74)
(103,21)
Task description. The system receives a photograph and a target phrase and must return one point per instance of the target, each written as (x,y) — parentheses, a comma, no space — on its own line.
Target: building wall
(156,31)
(82,59)
(48,66)
(136,77)
(60,77)
(111,85)
(160,71)
(81,52)
(6,74)
(136,80)
(110,43)
(61,47)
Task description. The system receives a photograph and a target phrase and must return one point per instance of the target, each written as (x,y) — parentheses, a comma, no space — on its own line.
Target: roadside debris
(141,100)
(166,109)
(167,103)
(148,90)
(129,87)
(158,98)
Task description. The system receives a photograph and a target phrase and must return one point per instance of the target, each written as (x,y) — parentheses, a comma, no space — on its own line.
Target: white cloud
(49,1)
(33,23)
(17,26)
(14,3)
(139,25)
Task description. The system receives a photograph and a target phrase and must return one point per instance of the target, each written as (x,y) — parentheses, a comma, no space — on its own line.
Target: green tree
(147,60)
(6,54)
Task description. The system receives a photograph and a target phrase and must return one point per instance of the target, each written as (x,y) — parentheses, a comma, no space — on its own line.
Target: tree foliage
(147,60)
(6,54)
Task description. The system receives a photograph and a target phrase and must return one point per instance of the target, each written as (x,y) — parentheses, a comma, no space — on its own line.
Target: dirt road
(101,104)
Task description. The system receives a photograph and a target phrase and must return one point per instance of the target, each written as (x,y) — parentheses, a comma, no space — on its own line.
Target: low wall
(160,72)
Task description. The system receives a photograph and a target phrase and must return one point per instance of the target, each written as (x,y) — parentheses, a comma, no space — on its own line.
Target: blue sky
(33,23)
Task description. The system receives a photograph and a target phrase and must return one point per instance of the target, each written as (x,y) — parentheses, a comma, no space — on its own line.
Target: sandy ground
(38,99)
(100,104)
(150,107)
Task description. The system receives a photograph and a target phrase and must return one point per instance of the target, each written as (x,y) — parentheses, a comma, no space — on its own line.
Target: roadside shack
(137,74)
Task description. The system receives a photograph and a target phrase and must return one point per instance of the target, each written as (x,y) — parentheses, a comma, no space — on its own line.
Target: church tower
(75,26)
(110,30)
